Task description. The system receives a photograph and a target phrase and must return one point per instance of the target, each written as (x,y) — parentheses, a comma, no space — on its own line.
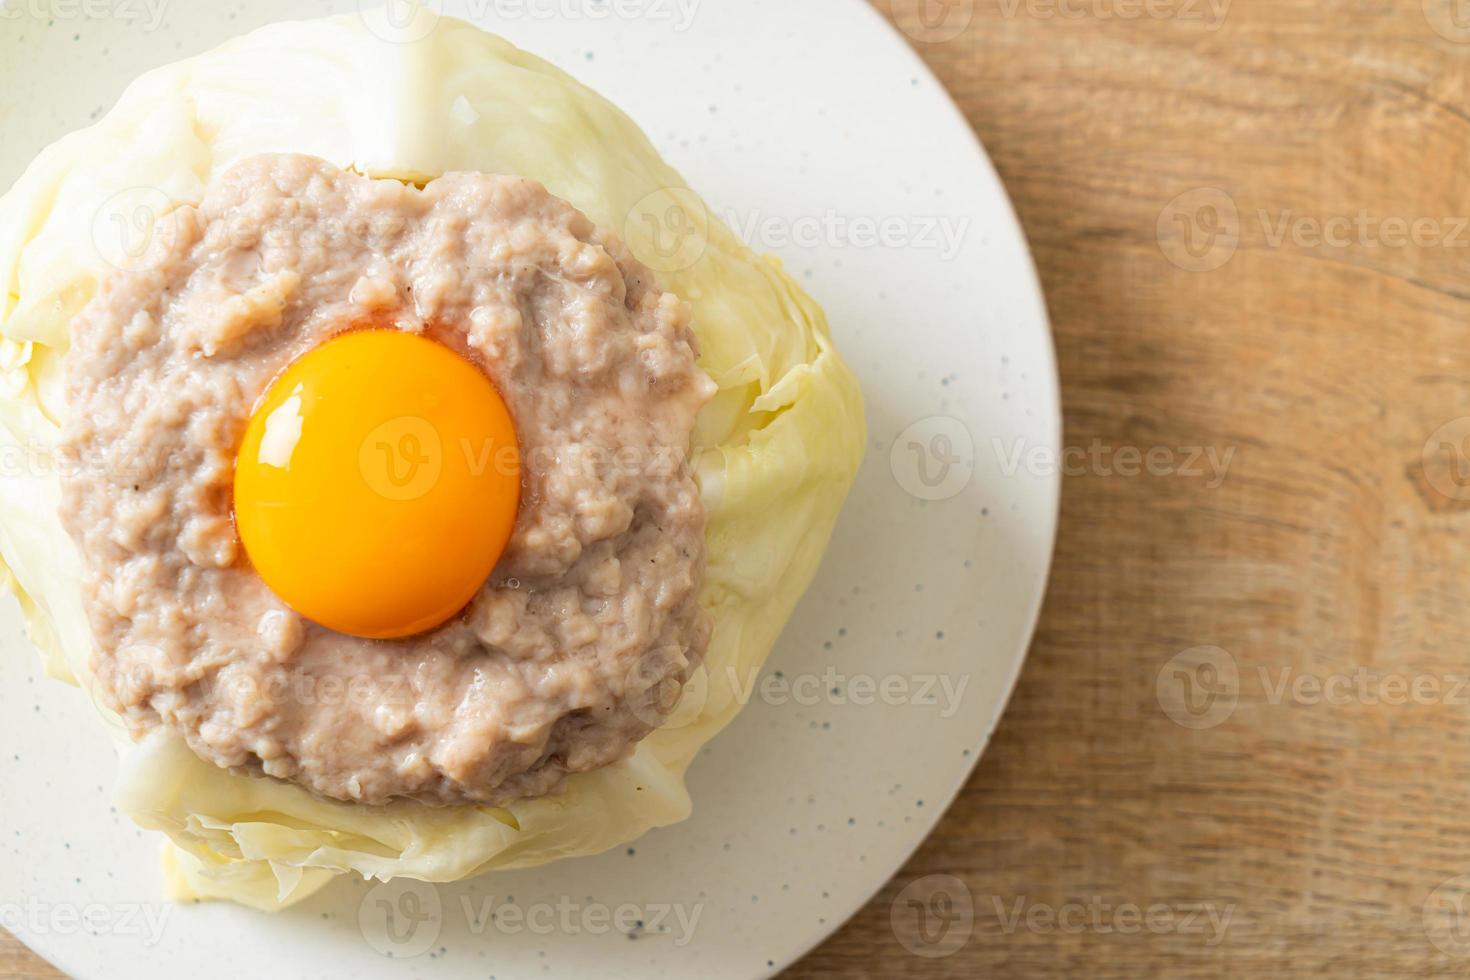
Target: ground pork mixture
(581,640)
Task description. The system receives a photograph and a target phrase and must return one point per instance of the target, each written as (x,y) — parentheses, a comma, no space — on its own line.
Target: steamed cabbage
(775,451)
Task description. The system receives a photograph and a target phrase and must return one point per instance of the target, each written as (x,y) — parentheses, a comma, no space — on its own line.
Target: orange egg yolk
(378,483)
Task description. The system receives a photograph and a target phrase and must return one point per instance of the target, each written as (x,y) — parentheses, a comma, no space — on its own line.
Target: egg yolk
(378,483)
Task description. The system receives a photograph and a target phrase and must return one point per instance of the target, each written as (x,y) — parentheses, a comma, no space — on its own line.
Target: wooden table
(1247,698)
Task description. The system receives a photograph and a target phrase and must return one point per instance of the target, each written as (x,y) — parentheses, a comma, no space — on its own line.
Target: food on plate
(424,471)
(386,335)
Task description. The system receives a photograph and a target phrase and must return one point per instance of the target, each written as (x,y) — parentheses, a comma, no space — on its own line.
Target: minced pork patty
(580,642)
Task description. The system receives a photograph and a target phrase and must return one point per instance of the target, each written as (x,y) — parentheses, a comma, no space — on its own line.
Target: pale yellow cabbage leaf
(776,450)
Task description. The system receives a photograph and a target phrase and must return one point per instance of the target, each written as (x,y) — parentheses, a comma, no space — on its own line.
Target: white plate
(815,125)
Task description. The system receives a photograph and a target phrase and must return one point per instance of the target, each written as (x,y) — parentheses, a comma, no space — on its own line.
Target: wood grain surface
(1241,745)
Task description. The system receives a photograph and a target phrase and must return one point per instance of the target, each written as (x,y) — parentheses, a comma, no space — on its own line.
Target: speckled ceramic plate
(815,130)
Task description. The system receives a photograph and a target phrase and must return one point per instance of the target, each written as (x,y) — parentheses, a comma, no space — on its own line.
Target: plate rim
(1053,482)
